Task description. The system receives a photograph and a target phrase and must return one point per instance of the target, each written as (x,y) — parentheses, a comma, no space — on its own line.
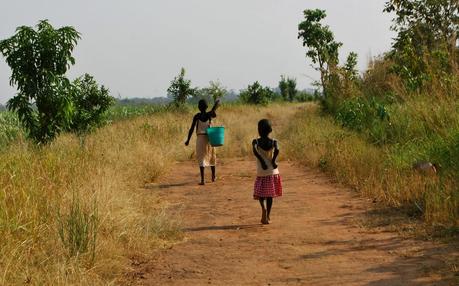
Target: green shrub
(90,103)
(361,115)
(257,94)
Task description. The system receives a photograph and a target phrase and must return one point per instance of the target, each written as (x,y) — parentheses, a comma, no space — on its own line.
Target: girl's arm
(276,153)
(193,125)
(216,105)
(255,152)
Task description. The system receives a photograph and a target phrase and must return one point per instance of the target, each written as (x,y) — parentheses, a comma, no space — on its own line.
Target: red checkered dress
(268,183)
(267,187)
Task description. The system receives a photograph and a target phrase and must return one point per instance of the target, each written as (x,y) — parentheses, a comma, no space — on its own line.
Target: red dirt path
(315,238)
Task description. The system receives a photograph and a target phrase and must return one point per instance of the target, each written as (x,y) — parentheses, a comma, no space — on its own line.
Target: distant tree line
(181,91)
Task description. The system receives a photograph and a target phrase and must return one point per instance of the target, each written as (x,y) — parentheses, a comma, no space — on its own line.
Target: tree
(39,59)
(426,37)
(432,23)
(201,93)
(322,47)
(256,94)
(287,87)
(216,90)
(90,102)
(291,87)
(180,88)
(283,87)
(350,67)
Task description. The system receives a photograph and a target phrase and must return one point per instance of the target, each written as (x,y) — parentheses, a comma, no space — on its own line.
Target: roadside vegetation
(401,112)
(74,161)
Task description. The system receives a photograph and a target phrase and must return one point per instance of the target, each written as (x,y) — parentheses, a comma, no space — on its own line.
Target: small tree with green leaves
(291,87)
(180,89)
(283,87)
(216,90)
(322,47)
(350,67)
(287,87)
(90,102)
(257,94)
(201,93)
(39,59)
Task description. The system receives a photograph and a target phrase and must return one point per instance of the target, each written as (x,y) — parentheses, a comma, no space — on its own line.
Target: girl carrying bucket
(205,154)
(268,184)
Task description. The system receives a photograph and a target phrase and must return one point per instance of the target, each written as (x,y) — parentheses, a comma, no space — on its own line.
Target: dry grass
(74,216)
(38,191)
(317,141)
(241,125)
(94,193)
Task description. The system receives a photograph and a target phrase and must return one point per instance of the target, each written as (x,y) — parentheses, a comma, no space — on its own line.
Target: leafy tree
(283,87)
(216,90)
(291,87)
(90,102)
(322,47)
(256,94)
(287,87)
(39,59)
(426,37)
(201,93)
(350,67)
(180,88)
(431,23)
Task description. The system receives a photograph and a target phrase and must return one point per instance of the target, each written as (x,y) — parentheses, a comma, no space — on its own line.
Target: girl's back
(266,151)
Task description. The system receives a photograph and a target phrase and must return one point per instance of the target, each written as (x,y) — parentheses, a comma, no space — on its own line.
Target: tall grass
(241,125)
(73,215)
(379,171)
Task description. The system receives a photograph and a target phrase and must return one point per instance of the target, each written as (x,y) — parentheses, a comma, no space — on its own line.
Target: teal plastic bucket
(216,135)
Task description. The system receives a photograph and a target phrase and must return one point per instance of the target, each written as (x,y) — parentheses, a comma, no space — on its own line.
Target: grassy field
(73,215)
(384,172)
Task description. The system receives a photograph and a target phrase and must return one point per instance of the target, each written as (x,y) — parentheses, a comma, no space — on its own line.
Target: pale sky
(135,48)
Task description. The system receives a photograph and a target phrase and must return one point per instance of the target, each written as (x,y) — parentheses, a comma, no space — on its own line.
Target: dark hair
(202,105)
(264,127)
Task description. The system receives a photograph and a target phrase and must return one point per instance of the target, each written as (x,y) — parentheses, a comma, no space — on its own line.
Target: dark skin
(265,143)
(204,116)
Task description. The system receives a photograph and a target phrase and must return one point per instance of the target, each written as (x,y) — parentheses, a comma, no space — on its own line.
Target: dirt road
(316,236)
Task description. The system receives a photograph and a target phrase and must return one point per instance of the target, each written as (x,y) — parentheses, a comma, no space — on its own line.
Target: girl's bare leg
(269,203)
(201,169)
(213,173)
(264,219)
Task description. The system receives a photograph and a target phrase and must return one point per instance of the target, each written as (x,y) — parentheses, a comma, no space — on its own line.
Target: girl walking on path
(205,154)
(268,184)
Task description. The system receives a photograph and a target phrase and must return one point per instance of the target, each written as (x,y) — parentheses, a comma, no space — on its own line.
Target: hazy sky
(136,47)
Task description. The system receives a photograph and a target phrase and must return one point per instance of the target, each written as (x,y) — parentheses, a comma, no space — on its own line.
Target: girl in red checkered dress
(268,184)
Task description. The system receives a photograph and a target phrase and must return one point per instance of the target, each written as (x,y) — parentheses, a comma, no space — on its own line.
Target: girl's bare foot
(202,183)
(214,178)
(264,218)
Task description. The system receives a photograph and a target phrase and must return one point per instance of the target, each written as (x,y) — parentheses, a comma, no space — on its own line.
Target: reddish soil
(316,236)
